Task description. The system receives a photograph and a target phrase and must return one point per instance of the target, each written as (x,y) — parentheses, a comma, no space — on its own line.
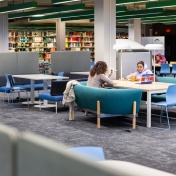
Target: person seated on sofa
(141,69)
(97,76)
(159,59)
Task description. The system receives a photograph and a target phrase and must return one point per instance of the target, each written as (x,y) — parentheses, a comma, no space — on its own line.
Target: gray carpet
(149,147)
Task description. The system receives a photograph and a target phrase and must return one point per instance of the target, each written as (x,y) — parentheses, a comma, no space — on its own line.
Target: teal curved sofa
(108,102)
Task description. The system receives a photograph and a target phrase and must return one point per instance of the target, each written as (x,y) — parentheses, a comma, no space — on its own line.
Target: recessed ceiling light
(39,15)
(63,1)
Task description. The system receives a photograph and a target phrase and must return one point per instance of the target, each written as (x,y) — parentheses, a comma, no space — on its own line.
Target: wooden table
(154,88)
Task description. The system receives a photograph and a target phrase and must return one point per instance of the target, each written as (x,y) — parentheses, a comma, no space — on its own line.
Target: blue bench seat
(47,96)
(38,86)
(7,90)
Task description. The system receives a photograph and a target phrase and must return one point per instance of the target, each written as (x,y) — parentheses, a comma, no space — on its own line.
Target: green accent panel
(161,4)
(121,2)
(48,11)
(78,18)
(121,9)
(159,15)
(18,7)
(139,12)
(64,15)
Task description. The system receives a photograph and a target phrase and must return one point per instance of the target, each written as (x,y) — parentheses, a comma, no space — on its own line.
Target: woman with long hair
(141,69)
(98,77)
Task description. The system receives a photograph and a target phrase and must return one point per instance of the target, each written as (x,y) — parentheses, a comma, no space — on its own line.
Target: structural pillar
(60,35)
(4,42)
(134,30)
(105,31)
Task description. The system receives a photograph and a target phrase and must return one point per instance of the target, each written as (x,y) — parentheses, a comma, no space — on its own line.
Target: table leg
(71,110)
(32,92)
(148,109)
(45,88)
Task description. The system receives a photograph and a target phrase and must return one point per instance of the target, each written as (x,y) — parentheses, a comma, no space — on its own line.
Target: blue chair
(95,153)
(91,64)
(174,69)
(11,88)
(55,94)
(165,69)
(170,101)
(60,74)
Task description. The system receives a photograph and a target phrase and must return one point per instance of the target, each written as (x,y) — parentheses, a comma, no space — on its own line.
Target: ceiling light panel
(63,1)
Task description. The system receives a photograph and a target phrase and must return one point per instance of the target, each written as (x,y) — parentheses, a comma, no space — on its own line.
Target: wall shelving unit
(80,41)
(43,42)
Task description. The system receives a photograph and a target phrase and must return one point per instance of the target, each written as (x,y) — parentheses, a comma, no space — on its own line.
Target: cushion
(48,96)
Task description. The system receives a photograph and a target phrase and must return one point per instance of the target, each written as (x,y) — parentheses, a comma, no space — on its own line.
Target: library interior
(52,122)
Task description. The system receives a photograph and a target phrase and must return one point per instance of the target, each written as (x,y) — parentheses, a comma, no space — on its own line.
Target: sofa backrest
(167,79)
(112,101)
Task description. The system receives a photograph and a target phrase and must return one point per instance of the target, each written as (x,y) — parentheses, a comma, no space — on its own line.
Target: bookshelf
(80,41)
(25,41)
(44,42)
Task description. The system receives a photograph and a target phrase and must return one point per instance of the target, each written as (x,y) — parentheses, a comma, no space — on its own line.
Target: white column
(134,30)
(60,35)
(4,41)
(105,31)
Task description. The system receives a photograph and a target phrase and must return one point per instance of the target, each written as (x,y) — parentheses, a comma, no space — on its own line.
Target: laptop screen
(147,79)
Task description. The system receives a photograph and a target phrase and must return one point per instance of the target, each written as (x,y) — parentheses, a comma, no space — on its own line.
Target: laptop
(147,79)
